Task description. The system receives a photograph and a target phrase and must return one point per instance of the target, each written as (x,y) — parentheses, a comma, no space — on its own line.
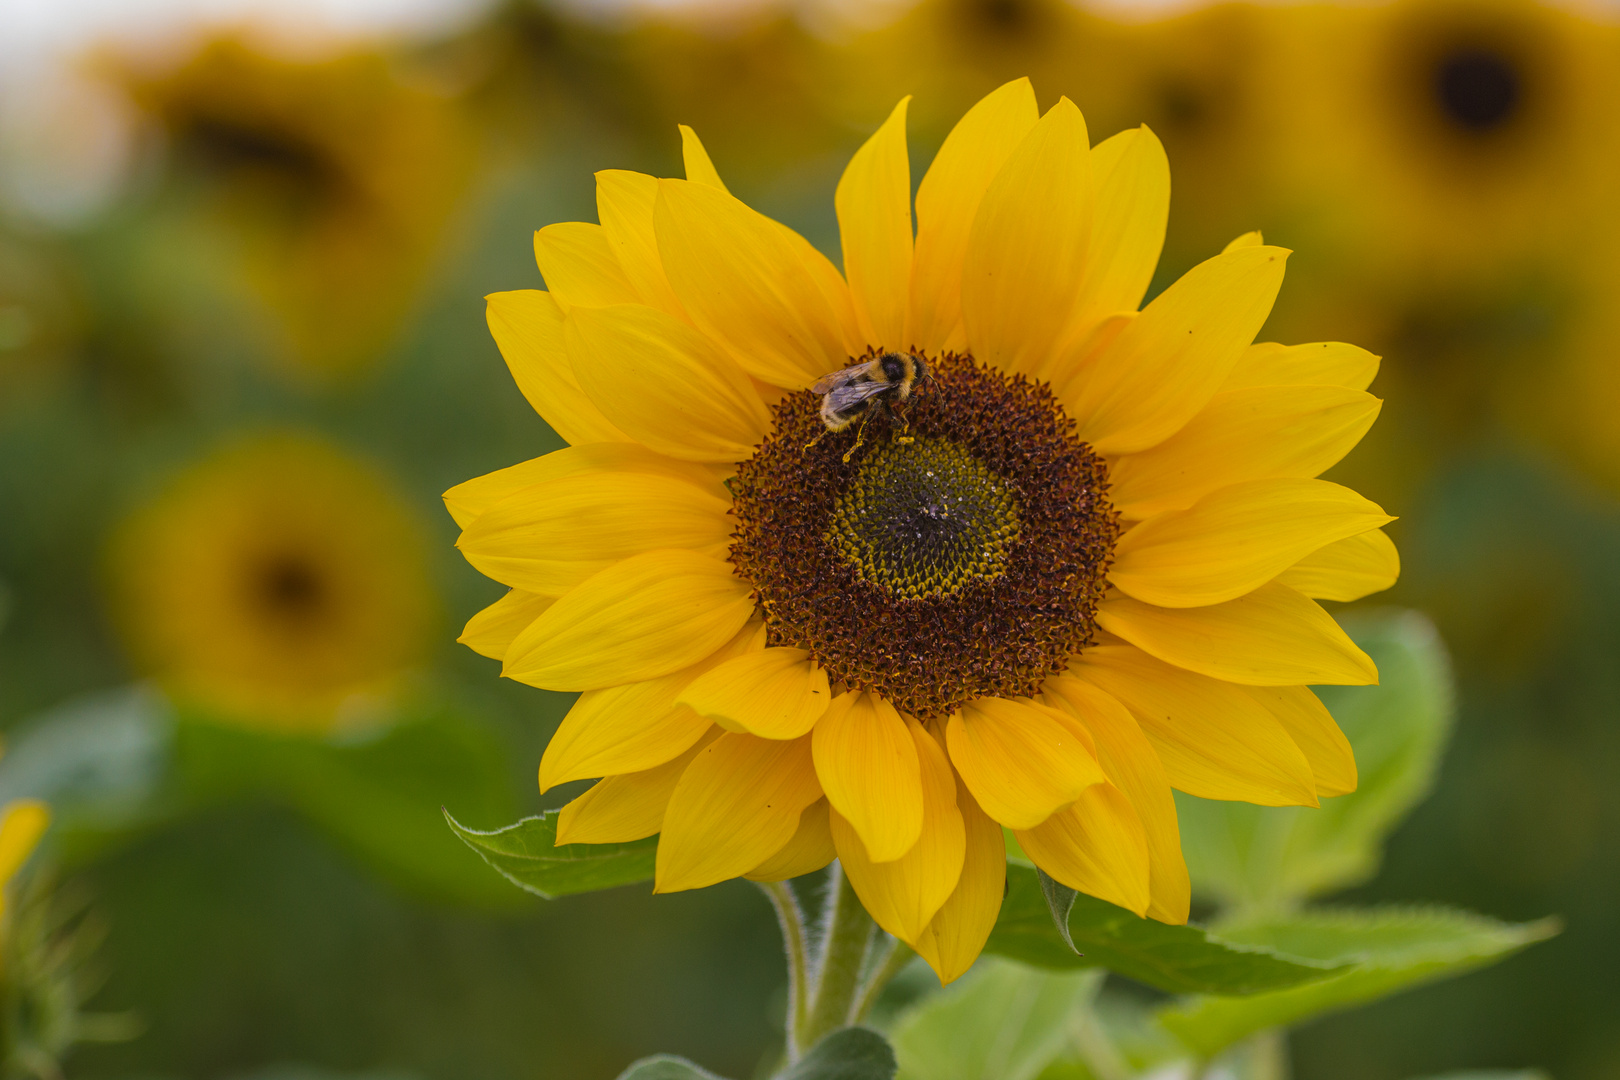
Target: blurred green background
(235,378)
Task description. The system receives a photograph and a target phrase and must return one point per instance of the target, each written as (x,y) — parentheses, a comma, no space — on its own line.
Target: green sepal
(1389,949)
(1059,901)
(1180,959)
(852,1053)
(665,1067)
(527,855)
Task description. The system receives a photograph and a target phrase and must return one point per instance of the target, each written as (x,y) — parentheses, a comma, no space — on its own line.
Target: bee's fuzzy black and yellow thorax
(964,563)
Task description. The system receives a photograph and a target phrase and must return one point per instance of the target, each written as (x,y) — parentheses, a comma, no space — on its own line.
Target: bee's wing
(827,382)
(845,395)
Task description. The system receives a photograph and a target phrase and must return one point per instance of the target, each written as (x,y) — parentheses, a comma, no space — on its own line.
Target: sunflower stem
(896,956)
(791,916)
(846,929)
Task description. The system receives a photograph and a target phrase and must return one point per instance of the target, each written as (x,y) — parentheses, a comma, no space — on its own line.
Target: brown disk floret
(967,563)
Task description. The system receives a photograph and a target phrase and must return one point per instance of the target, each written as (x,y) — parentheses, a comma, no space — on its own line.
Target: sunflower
(1076,568)
(334,176)
(278,584)
(22,823)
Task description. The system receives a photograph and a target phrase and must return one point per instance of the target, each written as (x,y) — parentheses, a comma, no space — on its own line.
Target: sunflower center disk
(924,519)
(966,563)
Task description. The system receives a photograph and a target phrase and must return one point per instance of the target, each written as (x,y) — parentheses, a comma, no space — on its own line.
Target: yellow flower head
(276,583)
(1073,569)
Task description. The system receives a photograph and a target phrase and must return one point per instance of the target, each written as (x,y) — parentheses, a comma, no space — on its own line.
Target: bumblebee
(853,393)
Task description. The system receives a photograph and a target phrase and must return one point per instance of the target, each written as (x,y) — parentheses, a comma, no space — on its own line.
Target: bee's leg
(817,439)
(905,435)
(860,436)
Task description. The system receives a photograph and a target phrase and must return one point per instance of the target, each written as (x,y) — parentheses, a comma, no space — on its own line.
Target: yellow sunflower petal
(527,324)
(1026,253)
(1314,731)
(699,168)
(810,849)
(1236,539)
(636,726)
(1354,567)
(873,201)
(664,384)
(550,537)
(1168,362)
(737,804)
(647,616)
(1132,179)
(467,500)
(775,694)
(830,283)
(904,894)
(948,200)
(22,823)
(1134,767)
(1215,740)
(1097,846)
(867,762)
(1249,434)
(580,266)
(624,205)
(628,806)
(1246,240)
(1323,363)
(1022,760)
(745,283)
(491,632)
(1271,637)
(957,933)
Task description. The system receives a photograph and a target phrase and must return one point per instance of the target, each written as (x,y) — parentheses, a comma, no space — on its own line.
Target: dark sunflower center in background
(1478,90)
(288,589)
(966,563)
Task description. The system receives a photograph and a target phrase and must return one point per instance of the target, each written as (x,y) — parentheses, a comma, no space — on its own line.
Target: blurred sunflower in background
(278,583)
(336,177)
(1076,567)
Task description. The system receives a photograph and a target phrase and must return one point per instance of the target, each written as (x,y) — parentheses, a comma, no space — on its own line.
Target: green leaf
(1492,1074)
(527,855)
(1257,857)
(1181,959)
(853,1053)
(378,793)
(666,1067)
(1002,1019)
(1059,901)
(1392,950)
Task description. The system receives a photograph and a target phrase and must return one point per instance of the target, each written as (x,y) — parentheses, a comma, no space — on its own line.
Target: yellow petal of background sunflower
(867,762)
(1314,731)
(629,806)
(1022,760)
(948,200)
(1322,363)
(550,537)
(746,284)
(580,266)
(1249,434)
(650,615)
(1236,539)
(624,205)
(636,726)
(665,384)
(1214,740)
(1132,179)
(873,201)
(737,804)
(810,849)
(1134,767)
(699,168)
(23,822)
(491,632)
(1271,637)
(904,894)
(1170,360)
(957,933)
(1096,845)
(1026,253)
(775,693)
(527,325)
(1354,567)
(467,500)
